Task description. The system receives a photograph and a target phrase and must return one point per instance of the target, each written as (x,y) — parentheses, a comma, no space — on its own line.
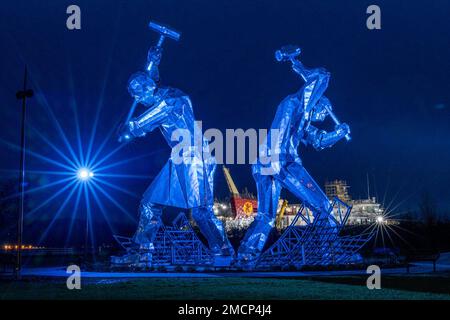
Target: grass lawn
(203,288)
(432,283)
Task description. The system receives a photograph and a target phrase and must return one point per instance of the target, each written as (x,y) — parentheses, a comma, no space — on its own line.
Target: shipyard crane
(231,186)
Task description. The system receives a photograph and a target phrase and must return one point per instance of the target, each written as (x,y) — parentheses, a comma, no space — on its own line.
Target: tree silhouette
(428,209)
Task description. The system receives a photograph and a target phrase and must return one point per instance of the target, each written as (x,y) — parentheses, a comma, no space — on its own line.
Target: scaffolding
(179,245)
(175,245)
(337,189)
(318,243)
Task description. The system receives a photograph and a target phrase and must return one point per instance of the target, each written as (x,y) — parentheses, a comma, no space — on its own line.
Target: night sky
(390,85)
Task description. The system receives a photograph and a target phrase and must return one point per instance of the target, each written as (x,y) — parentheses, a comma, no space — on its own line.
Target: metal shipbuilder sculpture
(293,124)
(186,185)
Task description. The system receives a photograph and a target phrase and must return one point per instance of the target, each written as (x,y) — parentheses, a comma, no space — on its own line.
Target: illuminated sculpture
(187,184)
(292,125)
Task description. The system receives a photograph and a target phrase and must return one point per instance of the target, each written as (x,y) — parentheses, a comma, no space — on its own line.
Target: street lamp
(22,95)
(84,175)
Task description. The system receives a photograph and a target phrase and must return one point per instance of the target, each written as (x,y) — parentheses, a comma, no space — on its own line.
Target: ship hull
(244,207)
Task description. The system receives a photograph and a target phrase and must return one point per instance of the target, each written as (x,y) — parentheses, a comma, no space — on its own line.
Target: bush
(161,269)
(192,269)
(179,269)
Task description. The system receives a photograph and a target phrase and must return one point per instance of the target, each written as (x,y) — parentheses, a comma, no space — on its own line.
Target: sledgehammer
(165,32)
(290,53)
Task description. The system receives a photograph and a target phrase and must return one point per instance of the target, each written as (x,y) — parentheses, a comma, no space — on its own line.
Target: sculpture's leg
(149,223)
(213,230)
(211,227)
(268,195)
(297,180)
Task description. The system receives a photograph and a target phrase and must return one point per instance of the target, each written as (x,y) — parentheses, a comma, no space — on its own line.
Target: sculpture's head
(142,88)
(319,112)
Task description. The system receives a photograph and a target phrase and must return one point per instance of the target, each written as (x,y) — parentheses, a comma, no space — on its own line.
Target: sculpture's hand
(154,55)
(342,130)
(153,60)
(125,134)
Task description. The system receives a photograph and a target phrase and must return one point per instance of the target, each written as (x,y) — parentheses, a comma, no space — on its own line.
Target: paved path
(61,272)
(443,265)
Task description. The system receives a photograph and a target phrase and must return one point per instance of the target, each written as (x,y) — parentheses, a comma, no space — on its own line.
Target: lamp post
(22,95)
(84,175)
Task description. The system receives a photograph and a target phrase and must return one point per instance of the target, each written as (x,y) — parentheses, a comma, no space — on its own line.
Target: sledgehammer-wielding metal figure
(292,125)
(182,184)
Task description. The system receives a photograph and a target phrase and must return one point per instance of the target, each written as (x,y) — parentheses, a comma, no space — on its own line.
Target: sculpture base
(223,261)
(177,247)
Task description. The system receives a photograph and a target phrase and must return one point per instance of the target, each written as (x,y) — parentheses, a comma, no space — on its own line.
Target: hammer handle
(159,44)
(336,121)
(131,112)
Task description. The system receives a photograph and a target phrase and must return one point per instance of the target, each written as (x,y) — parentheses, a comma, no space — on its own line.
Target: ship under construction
(242,207)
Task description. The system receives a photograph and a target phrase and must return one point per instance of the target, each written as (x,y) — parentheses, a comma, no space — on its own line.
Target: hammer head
(287,53)
(165,31)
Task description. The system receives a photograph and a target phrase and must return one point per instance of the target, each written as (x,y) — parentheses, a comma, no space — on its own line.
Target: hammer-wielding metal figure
(292,125)
(189,184)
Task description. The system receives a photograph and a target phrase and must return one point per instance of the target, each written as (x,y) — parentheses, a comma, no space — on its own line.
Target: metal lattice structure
(318,243)
(179,245)
(175,245)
